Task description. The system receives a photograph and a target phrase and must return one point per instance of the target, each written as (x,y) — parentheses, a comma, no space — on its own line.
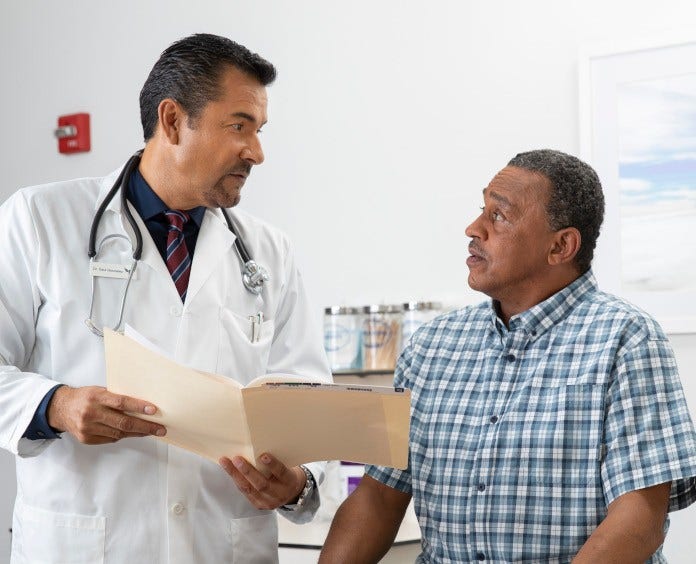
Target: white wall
(387,119)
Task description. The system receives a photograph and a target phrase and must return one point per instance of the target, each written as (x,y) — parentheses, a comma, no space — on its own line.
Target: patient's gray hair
(576,196)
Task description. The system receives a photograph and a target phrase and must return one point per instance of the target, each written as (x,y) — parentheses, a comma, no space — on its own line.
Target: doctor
(91,487)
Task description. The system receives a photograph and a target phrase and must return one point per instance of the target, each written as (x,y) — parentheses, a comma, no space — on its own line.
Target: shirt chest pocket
(244,345)
(559,436)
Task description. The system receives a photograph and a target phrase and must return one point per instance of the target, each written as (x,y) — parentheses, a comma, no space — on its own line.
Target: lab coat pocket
(244,346)
(255,539)
(45,537)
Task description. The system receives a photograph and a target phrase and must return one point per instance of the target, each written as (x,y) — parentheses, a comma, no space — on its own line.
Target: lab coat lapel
(215,240)
(150,255)
(106,185)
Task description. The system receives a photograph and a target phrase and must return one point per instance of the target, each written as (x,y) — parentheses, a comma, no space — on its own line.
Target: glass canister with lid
(416,314)
(381,336)
(342,337)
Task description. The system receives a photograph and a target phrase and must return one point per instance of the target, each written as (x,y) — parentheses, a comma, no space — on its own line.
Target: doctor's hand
(95,416)
(283,485)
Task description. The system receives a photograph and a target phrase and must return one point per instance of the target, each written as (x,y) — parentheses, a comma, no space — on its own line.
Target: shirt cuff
(39,428)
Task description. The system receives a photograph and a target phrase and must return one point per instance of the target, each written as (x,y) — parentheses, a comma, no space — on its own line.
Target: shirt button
(510,357)
(175,311)
(40,433)
(480,556)
(494,419)
(178,508)
(481,487)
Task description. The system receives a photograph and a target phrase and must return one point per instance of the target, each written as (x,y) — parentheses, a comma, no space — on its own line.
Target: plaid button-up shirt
(521,438)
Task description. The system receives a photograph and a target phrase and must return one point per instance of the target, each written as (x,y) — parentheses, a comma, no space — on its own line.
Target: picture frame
(638,130)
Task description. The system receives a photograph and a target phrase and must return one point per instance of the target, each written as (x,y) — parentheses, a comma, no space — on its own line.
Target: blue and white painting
(657,183)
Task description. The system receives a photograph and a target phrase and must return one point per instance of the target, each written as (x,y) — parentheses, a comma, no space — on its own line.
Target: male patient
(549,423)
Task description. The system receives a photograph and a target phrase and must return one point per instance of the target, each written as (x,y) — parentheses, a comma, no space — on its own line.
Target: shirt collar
(546,314)
(149,205)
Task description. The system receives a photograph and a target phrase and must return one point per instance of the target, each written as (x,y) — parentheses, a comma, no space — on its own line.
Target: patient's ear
(566,244)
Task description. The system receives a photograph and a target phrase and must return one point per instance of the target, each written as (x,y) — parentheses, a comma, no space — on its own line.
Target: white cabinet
(300,544)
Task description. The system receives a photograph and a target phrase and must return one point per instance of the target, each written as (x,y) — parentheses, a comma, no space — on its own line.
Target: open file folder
(296,420)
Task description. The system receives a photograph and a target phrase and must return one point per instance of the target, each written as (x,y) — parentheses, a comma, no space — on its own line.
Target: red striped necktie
(178,259)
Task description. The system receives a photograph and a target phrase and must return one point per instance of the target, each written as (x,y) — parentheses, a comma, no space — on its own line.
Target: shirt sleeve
(649,437)
(39,428)
(393,477)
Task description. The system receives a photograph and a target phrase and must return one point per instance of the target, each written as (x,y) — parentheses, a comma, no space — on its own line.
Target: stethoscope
(253,274)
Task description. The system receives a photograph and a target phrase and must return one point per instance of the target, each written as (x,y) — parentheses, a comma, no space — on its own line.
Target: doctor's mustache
(243,168)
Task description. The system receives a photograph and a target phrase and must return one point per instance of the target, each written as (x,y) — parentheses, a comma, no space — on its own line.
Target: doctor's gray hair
(576,198)
(189,71)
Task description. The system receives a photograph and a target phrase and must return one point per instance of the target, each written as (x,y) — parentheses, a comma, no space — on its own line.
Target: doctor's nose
(253,153)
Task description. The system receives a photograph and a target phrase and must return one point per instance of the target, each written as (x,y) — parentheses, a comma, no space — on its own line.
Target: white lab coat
(138,500)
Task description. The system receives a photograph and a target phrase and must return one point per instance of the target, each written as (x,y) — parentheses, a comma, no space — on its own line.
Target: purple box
(353,482)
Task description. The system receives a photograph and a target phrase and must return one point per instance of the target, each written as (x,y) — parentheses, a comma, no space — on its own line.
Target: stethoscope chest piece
(253,276)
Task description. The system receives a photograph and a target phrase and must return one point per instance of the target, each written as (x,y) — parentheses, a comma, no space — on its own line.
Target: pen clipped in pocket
(244,345)
(256,322)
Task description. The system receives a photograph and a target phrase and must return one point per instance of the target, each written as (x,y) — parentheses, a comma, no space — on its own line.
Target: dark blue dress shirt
(151,209)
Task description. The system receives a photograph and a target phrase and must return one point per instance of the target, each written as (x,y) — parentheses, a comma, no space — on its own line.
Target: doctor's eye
(497,216)
(237,126)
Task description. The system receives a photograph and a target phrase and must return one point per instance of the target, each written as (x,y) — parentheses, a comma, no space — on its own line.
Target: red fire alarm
(73,133)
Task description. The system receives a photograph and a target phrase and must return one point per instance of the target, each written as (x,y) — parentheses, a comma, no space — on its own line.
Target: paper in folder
(296,420)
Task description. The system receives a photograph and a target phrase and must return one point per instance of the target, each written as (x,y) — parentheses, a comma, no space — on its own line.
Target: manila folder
(296,420)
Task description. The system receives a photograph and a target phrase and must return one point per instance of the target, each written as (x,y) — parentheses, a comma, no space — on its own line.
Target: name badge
(108,270)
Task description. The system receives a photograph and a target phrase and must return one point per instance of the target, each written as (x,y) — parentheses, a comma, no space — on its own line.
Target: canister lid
(421,306)
(383,308)
(341,310)
(412,306)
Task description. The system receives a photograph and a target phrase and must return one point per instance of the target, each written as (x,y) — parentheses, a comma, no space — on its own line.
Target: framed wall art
(638,130)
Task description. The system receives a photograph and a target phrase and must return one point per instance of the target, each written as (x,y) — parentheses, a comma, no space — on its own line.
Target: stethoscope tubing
(123,177)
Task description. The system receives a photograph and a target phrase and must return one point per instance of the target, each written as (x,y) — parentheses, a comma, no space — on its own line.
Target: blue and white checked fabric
(521,438)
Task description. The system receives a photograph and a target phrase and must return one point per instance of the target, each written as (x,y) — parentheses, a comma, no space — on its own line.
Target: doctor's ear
(171,118)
